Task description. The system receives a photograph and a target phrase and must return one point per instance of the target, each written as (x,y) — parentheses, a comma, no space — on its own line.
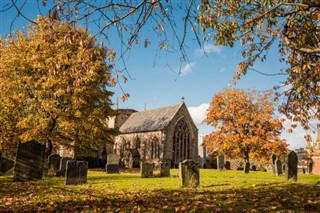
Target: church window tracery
(181,143)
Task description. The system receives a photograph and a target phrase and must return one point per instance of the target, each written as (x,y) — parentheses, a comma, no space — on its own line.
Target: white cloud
(296,138)
(198,113)
(207,49)
(223,69)
(187,68)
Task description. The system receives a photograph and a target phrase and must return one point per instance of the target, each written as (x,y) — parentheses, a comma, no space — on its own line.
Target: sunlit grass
(224,190)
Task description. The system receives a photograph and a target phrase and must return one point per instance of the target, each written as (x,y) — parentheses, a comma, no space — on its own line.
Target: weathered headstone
(228,165)
(7,166)
(54,164)
(309,167)
(112,165)
(246,167)
(291,166)
(254,168)
(278,167)
(76,172)
(29,161)
(273,161)
(164,169)
(146,169)
(63,165)
(189,174)
(220,162)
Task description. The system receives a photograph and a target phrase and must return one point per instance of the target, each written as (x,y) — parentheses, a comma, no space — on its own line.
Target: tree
(257,25)
(54,83)
(244,125)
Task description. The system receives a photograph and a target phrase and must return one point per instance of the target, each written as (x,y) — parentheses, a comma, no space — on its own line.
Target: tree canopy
(244,125)
(54,82)
(290,26)
(257,25)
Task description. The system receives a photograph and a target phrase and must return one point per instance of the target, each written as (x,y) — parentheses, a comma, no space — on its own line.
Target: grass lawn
(219,191)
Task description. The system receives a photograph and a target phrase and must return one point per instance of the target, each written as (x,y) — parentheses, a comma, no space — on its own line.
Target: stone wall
(147,145)
(316,164)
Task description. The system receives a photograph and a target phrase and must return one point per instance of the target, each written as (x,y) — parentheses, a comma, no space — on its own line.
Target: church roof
(149,120)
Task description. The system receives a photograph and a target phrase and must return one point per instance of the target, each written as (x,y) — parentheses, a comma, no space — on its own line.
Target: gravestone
(254,168)
(291,166)
(220,162)
(278,167)
(29,161)
(273,161)
(112,165)
(164,169)
(63,166)
(54,164)
(189,174)
(228,165)
(7,167)
(246,168)
(146,169)
(309,167)
(76,172)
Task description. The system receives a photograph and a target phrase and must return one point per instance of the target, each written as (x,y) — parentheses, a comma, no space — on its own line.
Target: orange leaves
(242,120)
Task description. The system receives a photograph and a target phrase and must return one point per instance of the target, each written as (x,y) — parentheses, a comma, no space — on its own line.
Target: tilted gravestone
(228,165)
(278,167)
(63,166)
(273,163)
(189,174)
(54,164)
(112,165)
(291,166)
(164,169)
(76,172)
(29,161)
(7,166)
(146,169)
(309,167)
(220,162)
(246,167)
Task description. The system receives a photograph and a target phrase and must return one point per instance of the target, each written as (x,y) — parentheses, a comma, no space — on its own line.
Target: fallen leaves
(101,195)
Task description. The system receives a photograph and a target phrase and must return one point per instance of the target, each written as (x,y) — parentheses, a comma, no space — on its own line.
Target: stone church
(166,134)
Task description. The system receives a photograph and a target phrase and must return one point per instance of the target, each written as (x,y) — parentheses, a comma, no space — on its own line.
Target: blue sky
(155,81)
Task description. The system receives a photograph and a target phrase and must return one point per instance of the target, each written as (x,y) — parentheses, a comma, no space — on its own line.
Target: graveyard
(127,191)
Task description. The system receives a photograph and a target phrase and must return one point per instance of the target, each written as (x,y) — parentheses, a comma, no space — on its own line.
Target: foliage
(244,125)
(54,87)
(257,25)
(226,191)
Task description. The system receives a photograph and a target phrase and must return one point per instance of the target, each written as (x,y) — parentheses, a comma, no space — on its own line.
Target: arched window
(181,143)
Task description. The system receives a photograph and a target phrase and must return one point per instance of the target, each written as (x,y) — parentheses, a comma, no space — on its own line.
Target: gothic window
(181,143)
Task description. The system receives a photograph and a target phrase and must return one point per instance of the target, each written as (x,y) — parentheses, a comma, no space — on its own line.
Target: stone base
(112,168)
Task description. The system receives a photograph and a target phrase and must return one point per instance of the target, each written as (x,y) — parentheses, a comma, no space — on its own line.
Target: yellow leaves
(111,54)
(48,73)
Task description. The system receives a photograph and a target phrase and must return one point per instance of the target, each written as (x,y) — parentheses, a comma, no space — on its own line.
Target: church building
(166,134)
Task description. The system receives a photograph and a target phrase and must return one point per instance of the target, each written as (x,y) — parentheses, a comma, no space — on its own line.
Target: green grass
(219,191)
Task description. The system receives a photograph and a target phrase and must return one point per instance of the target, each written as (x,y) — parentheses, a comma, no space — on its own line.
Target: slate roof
(149,120)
